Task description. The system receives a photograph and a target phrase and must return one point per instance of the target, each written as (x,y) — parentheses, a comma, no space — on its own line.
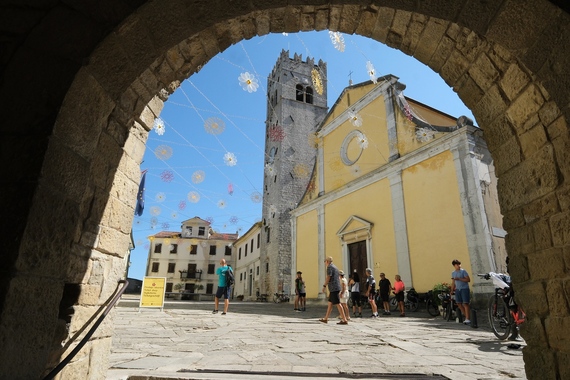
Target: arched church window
(309,95)
(299,93)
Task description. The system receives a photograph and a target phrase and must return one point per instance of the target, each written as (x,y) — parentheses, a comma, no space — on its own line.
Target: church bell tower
(296,104)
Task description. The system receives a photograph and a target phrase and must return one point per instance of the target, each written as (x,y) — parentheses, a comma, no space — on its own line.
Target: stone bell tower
(296,104)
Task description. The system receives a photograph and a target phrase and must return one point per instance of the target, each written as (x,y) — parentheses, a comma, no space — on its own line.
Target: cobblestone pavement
(271,341)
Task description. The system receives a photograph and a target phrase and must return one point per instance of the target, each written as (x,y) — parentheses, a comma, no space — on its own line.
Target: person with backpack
(225,282)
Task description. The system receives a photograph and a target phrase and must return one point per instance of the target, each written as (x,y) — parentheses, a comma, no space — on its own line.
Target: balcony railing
(191,275)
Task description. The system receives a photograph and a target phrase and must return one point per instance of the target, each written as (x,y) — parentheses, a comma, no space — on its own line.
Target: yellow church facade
(400,188)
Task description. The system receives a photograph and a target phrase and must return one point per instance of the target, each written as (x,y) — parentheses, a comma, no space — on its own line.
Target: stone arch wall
(79,122)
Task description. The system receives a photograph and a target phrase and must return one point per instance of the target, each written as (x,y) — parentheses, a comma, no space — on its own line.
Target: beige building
(401,188)
(189,258)
(246,252)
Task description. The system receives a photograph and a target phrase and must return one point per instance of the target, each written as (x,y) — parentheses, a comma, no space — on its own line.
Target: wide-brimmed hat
(341,273)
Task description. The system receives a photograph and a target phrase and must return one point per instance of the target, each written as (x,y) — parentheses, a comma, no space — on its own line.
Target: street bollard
(474,318)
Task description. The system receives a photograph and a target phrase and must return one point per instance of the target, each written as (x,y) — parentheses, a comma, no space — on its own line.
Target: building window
(299,93)
(171,267)
(168,287)
(228,251)
(211,268)
(309,95)
(240,276)
(257,272)
(193,249)
(174,248)
(246,250)
(266,267)
(155,267)
(239,254)
(268,234)
(213,250)
(201,231)
(189,230)
(258,240)
(209,288)
(251,248)
(244,275)
(158,248)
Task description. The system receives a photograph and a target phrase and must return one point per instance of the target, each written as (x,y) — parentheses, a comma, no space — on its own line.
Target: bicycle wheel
(276,298)
(499,317)
(432,308)
(393,303)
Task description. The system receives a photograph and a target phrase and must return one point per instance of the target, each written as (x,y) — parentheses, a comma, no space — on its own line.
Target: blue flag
(140,197)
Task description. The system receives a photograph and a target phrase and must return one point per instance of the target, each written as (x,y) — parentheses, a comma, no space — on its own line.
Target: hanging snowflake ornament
(174,215)
(371,72)
(248,82)
(221,204)
(155,210)
(317,81)
(160,197)
(230,189)
(209,219)
(285,34)
(163,152)
(234,220)
(182,205)
(230,159)
(146,246)
(159,126)
(424,134)
(153,221)
(355,118)
(269,169)
(214,126)
(167,176)
(276,133)
(165,225)
(256,197)
(362,140)
(193,197)
(337,40)
(198,176)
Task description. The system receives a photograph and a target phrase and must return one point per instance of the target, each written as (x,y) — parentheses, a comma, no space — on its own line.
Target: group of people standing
(340,290)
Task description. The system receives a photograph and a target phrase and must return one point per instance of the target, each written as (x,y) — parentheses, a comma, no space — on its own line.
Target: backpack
(230,280)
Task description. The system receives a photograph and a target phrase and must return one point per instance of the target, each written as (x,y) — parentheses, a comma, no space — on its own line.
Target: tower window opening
(299,93)
(309,95)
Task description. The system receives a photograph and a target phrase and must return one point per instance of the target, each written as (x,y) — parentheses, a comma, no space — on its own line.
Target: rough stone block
(513,219)
(540,178)
(414,32)
(383,23)
(534,295)
(491,106)
(532,140)
(483,72)
(560,225)
(556,293)
(78,368)
(507,156)
(562,152)
(112,241)
(367,22)
(533,332)
(521,240)
(545,206)
(563,196)
(542,236)
(470,44)
(468,91)
(546,264)
(558,128)
(349,18)
(322,19)
(262,22)
(524,106)
(513,81)
(430,37)
(555,327)
(498,133)
(540,363)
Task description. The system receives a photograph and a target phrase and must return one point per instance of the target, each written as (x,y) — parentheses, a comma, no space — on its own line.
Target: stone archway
(80,120)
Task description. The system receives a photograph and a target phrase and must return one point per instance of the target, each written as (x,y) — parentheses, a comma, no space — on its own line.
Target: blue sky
(174,191)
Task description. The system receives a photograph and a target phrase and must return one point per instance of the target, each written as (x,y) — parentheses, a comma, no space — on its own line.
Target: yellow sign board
(152,294)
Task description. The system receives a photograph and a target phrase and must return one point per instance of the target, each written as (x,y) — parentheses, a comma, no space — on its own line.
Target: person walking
(354,284)
(223,288)
(344,294)
(300,292)
(333,283)
(371,291)
(385,286)
(460,285)
(399,289)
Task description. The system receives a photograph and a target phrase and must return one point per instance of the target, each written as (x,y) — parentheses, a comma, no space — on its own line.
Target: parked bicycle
(411,300)
(505,316)
(450,308)
(280,297)
(431,306)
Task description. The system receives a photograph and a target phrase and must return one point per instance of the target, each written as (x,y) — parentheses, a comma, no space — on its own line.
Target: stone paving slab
(271,341)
